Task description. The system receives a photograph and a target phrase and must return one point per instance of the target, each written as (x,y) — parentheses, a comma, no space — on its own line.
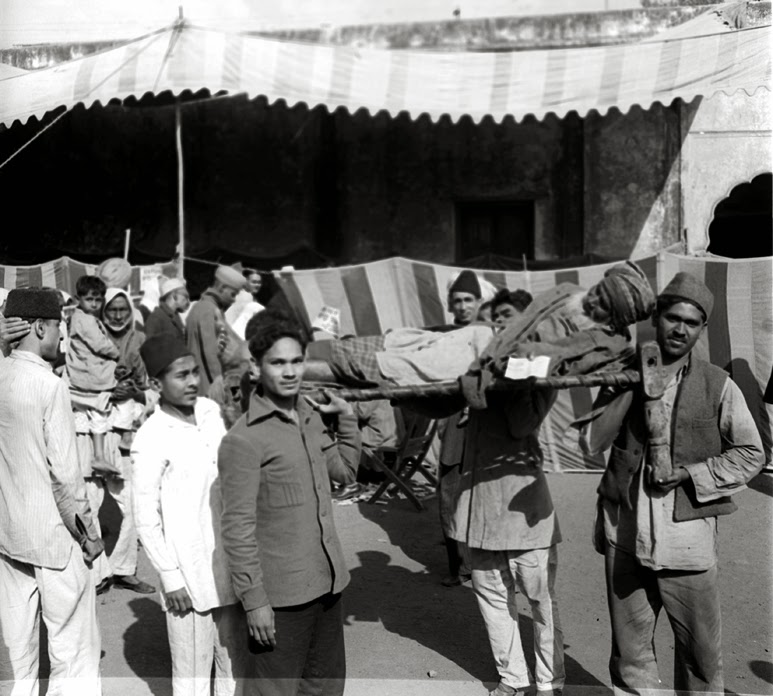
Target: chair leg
(394,479)
(427,474)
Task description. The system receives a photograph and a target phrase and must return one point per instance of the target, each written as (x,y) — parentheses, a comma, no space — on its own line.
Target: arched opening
(742,227)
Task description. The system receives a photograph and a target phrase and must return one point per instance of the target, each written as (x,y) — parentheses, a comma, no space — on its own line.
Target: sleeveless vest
(695,437)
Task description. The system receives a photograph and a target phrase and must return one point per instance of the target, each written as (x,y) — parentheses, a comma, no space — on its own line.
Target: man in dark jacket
(173,302)
(658,531)
(206,326)
(286,561)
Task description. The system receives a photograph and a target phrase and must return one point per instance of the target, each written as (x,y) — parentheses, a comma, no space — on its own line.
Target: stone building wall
(727,142)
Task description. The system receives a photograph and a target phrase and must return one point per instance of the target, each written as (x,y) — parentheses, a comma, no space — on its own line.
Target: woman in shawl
(130,399)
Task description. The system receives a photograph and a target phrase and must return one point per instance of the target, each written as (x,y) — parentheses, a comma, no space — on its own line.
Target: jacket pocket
(281,493)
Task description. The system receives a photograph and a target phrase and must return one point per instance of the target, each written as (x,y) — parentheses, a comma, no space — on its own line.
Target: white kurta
(177,505)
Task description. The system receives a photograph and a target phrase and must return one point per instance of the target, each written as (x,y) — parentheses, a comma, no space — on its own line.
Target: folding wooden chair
(399,464)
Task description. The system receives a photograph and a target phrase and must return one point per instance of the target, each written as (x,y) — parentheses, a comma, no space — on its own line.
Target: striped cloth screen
(382,295)
(63,273)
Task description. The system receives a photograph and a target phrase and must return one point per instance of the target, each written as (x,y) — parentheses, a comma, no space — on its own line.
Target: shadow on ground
(762,669)
(145,649)
(416,606)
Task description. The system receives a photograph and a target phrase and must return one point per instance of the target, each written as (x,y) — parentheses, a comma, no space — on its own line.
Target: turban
(627,294)
(686,286)
(116,272)
(34,303)
(160,351)
(466,281)
(167,285)
(230,277)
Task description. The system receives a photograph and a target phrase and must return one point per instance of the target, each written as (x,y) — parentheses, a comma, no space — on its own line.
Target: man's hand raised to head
(13,329)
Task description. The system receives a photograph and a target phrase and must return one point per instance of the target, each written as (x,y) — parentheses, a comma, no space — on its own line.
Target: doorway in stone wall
(742,227)
(501,228)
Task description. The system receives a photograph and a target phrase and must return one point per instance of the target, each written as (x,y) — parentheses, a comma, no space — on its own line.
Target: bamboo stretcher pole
(452,388)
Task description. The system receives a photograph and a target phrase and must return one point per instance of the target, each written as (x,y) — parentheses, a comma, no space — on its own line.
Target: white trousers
(196,639)
(496,578)
(123,559)
(67,600)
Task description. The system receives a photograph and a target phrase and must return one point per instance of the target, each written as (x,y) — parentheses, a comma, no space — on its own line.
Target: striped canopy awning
(496,84)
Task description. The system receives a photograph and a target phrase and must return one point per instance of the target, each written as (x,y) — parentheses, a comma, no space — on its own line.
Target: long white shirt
(43,501)
(177,505)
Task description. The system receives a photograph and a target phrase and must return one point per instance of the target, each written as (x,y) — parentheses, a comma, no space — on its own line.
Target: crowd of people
(225,469)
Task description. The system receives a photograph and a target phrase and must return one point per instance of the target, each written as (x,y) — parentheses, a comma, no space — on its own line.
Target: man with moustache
(286,561)
(174,300)
(176,504)
(658,532)
(47,537)
(464,300)
(206,326)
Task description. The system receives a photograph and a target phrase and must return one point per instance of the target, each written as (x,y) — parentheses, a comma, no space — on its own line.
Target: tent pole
(180,189)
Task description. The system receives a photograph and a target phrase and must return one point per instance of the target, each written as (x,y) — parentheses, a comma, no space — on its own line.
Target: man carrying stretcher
(503,510)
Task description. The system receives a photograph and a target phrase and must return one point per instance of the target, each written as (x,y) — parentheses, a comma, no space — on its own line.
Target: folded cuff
(172,580)
(254,598)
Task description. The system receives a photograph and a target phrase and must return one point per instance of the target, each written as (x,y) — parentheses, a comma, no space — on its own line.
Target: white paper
(149,275)
(523,368)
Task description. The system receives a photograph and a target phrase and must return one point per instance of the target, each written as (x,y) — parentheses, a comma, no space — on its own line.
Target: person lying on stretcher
(581,331)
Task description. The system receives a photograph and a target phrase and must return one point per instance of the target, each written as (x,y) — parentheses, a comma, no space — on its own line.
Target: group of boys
(239,523)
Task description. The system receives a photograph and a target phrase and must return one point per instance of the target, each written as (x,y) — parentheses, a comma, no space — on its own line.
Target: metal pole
(180,189)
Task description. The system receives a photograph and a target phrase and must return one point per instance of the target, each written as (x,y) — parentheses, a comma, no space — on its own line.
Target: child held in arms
(91,361)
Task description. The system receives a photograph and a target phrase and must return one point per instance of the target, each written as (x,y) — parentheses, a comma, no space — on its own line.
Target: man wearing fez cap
(658,531)
(206,321)
(173,301)
(464,297)
(176,503)
(47,537)
(464,300)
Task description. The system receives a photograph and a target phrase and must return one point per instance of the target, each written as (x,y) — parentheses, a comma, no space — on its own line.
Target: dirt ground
(403,626)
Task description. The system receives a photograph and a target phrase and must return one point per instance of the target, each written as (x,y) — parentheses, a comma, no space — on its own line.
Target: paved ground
(402,624)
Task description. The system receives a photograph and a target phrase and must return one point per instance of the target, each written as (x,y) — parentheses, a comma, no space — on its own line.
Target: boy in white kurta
(176,502)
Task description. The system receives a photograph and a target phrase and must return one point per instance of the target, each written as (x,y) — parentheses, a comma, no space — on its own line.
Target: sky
(44,21)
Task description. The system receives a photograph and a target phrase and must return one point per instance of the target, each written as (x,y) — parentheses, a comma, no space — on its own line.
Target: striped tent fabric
(475,84)
(63,273)
(382,295)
